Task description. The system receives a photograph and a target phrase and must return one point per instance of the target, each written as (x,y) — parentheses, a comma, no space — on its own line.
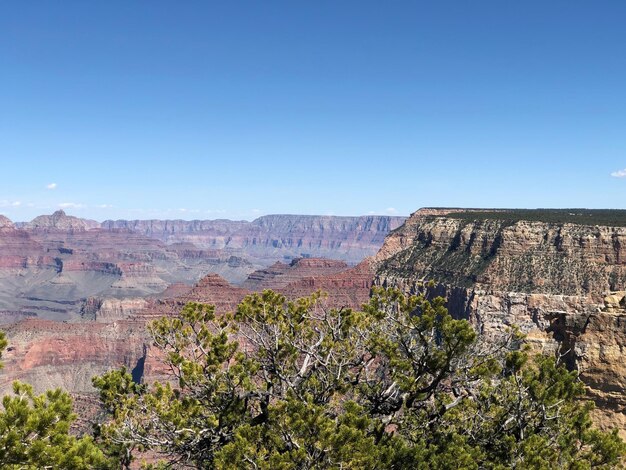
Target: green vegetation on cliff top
(605,217)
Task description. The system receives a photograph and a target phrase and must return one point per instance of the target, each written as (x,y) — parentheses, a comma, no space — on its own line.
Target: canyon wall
(51,265)
(553,279)
(274,236)
(112,332)
(76,296)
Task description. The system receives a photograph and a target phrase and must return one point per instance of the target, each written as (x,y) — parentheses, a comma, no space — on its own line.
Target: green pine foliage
(603,217)
(293,385)
(35,432)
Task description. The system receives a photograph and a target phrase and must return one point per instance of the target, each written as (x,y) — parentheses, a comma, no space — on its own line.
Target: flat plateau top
(604,217)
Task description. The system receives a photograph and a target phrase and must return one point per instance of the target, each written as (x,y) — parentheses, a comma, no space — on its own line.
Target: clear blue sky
(233,109)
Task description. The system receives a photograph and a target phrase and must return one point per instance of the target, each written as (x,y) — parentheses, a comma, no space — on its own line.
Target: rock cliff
(49,354)
(280,274)
(345,286)
(50,265)
(274,236)
(549,277)
(112,331)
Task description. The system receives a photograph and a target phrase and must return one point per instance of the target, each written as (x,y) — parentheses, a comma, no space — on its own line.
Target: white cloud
(6,203)
(104,206)
(619,173)
(391,210)
(71,205)
(51,186)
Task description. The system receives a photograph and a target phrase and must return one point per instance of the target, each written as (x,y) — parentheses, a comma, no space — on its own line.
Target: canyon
(112,333)
(51,265)
(76,296)
(559,276)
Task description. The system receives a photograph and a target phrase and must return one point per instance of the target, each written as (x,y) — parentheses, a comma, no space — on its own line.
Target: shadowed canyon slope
(552,278)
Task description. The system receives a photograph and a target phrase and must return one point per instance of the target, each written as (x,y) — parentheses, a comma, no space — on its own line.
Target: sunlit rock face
(562,283)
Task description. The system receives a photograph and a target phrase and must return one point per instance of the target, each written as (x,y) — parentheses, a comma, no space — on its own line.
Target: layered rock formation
(59,220)
(274,236)
(84,293)
(50,265)
(280,274)
(113,332)
(344,286)
(49,268)
(347,288)
(550,278)
(49,354)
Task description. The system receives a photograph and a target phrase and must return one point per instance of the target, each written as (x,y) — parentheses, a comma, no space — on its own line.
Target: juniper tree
(35,431)
(401,384)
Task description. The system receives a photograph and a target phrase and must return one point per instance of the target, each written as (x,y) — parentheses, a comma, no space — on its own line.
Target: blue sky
(235,109)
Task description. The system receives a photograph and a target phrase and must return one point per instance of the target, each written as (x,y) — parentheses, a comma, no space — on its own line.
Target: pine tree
(401,384)
(35,432)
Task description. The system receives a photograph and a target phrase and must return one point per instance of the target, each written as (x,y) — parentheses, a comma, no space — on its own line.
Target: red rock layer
(280,274)
(348,288)
(274,236)
(50,354)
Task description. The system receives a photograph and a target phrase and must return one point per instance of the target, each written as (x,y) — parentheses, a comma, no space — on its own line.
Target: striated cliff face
(280,274)
(50,354)
(551,279)
(202,233)
(50,265)
(345,286)
(274,236)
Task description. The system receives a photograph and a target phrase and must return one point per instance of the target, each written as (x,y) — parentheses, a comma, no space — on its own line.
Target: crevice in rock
(138,370)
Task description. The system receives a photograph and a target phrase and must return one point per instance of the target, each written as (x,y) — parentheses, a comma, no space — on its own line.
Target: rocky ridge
(274,236)
(5,222)
(59,220)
